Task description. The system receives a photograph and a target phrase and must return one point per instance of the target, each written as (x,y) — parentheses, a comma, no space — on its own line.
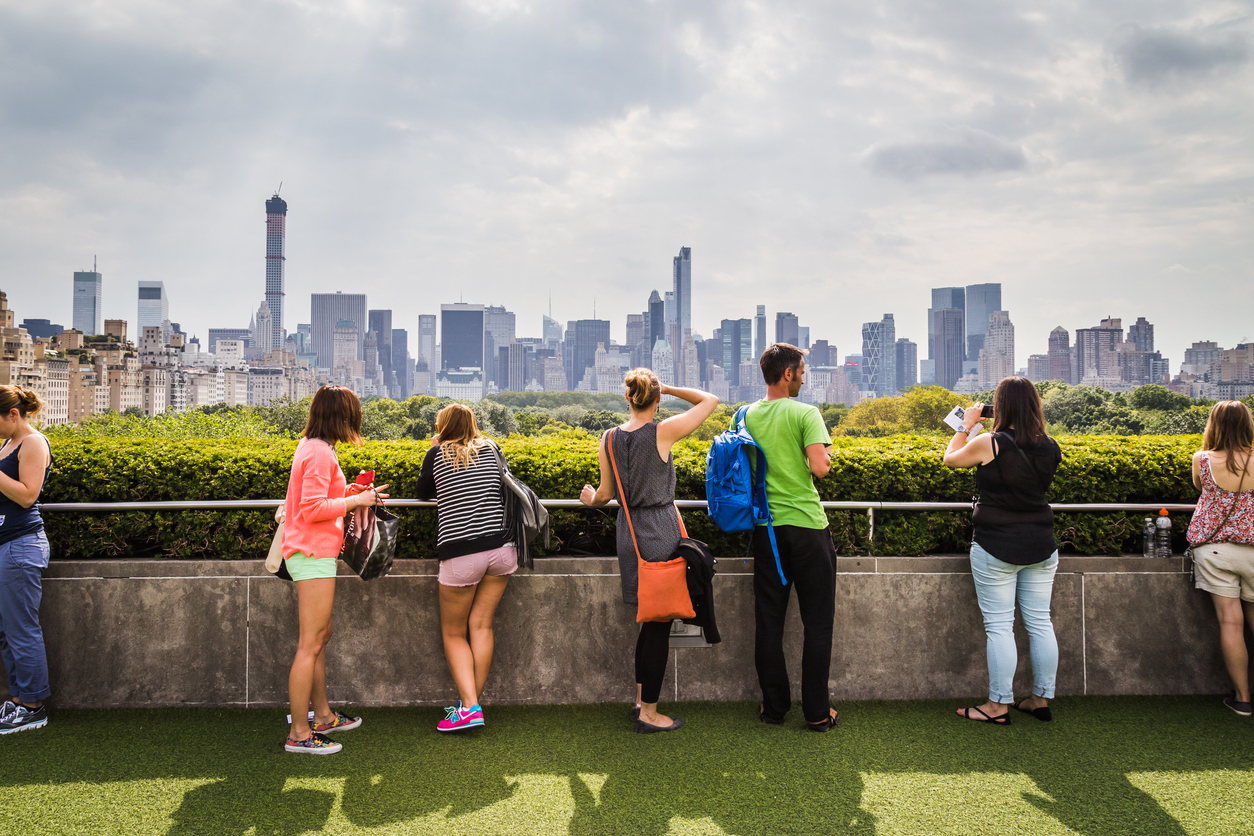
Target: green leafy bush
(900,468)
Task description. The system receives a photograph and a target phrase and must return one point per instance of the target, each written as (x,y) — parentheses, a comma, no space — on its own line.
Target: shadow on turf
(724,766)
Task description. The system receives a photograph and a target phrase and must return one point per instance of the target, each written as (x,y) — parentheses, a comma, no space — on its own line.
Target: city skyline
(845,159)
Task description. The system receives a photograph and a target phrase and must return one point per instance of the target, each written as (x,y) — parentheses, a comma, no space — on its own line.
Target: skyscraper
(786,329)
(1060,355)
(154,306)
(657,320)
(589,333)
(736,338)
(759,332)
(264,321)
(426,340)
(907,363)
(276,232)
(1142,335)
(402,366)
(498,327)
(326,310)
(997,356)
(945,298)
(682,270)
(947,337)
(552,332)
(380,322)
(982,301)
(88,298)
(879,350)
(1096,350)
(461,336)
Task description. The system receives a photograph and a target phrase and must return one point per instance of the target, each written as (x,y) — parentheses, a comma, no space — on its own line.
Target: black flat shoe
(635,713)
(1043,713)
(999,720)
(645,728)
(832,719)
(1242,708)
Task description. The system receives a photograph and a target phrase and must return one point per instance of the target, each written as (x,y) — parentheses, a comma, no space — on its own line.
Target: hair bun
(643,387)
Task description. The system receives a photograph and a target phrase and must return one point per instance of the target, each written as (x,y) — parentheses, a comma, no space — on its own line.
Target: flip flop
(999,720)
(1043,713)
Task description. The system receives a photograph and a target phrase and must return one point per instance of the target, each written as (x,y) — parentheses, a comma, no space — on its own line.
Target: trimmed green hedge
(899,468)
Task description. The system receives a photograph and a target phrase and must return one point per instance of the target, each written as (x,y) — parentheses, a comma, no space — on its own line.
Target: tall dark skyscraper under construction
(276,233)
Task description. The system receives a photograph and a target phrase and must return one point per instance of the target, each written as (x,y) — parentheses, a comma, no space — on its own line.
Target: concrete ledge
(159,633)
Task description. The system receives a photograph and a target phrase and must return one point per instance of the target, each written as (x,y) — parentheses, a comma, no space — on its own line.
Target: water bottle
(1147,538)
(1162,534)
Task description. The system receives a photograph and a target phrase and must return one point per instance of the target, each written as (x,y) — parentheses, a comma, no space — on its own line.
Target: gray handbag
(524,515)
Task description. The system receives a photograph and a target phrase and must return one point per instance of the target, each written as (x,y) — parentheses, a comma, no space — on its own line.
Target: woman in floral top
(1222,534)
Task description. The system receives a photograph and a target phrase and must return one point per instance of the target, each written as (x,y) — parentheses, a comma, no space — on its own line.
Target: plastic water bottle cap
(1162,512)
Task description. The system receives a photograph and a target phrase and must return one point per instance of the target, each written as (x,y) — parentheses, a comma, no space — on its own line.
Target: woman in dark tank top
(1013,551)
(642,452)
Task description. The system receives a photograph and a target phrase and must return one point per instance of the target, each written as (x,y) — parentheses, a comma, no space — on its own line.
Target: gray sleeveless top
(649,484)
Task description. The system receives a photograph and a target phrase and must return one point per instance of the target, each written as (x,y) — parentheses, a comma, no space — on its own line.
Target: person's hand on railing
(588,496)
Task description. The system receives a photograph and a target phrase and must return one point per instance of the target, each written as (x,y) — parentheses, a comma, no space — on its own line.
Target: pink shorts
(469,569)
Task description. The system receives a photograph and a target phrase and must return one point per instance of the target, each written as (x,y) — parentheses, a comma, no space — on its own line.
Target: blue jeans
(22,562)
(997,586)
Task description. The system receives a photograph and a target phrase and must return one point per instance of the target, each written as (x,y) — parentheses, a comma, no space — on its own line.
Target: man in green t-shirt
(798,448)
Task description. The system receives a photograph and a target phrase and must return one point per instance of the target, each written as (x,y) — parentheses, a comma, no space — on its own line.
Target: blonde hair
(643,388)
(1230,430)
(24,400)
(459,434)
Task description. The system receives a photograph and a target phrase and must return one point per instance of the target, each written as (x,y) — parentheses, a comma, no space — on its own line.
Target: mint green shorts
(303,568)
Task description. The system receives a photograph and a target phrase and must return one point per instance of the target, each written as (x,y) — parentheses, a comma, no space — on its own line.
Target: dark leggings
(652,648)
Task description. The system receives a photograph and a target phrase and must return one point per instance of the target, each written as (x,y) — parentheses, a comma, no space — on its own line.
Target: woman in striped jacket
(474,547)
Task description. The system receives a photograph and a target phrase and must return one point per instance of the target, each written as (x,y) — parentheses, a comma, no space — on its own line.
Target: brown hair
(1017,404)
(24,400)
(779,358)
(334,416)
(1230,430)
(643,388)
(459,434)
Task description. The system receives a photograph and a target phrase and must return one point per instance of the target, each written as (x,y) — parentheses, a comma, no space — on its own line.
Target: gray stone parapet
(165,632)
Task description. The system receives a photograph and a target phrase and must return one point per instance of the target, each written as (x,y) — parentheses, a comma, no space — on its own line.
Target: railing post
(870,539)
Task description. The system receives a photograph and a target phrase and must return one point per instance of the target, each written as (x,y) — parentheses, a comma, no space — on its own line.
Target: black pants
(652,648)
(809,562)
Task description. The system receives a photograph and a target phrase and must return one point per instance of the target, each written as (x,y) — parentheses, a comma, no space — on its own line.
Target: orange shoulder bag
(662,588)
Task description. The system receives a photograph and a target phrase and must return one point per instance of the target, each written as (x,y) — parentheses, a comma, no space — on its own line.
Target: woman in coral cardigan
(318,497)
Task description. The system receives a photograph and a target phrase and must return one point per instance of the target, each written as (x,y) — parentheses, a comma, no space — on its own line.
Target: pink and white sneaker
(460,719)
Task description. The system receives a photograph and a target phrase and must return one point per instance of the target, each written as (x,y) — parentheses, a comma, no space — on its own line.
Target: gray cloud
(964,151)
(1151,56)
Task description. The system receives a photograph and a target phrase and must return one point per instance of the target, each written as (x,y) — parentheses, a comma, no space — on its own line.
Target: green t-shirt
(785,428)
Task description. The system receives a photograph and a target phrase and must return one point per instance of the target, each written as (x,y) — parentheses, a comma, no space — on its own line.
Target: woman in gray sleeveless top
(642,453)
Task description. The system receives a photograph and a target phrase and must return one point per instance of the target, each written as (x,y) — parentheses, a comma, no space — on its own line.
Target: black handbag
(525,517)
(370,541)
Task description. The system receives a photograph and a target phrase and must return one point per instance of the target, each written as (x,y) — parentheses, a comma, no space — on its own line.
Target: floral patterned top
(1213,505)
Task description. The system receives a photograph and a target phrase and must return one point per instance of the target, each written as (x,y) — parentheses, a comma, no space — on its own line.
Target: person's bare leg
(318,695)
(482,642)
(639,690)
(648,713)
(314,600)
(455,604)
(1232,643)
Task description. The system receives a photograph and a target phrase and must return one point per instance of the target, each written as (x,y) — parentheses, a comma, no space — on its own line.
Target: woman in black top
(1013,552)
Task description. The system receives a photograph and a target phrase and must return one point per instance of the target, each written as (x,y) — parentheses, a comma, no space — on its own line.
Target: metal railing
(870,506)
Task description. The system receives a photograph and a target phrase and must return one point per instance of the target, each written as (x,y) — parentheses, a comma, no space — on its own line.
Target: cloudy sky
(835,159)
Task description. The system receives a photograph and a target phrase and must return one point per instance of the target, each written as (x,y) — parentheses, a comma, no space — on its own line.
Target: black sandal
(1043,713)
(762,716)
(832,719)
(999,720)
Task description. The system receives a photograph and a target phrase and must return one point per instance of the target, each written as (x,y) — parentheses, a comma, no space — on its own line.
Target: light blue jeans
(997,586)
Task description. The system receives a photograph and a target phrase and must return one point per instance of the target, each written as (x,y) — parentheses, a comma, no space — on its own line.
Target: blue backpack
(735,495)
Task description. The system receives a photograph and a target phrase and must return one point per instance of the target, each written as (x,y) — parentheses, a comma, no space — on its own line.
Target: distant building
(589,333)
(907,363)
(243,335)
(276,233)
(997,357)
(427,339)
(264,326)
(326,310)
(41,328)
(657,320)
(735,345)
(1141,334)
(1097,361)
(759,332)
(879,348)
(552,332)
(461,337)
(462,384)
(947,338)
(402,365)
(787,329)
(1059,356)
(154,308)
(982,301)
(380,322)
(682,277)
(88,301)
(946,298)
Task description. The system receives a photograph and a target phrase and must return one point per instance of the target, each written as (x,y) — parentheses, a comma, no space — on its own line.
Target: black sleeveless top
(1013,521)
(16,521)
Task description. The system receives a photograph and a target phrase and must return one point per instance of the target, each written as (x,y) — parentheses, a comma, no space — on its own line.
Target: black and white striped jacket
(470,503)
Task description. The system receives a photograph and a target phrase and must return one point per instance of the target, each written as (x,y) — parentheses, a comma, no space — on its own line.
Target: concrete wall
(158,633)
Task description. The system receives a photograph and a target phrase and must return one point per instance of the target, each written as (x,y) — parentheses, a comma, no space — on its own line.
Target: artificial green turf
(1129,765)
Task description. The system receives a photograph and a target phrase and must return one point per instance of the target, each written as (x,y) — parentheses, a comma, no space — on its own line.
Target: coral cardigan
(315,507)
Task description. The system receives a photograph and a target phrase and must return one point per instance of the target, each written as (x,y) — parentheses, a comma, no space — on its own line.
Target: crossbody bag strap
(622,498)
